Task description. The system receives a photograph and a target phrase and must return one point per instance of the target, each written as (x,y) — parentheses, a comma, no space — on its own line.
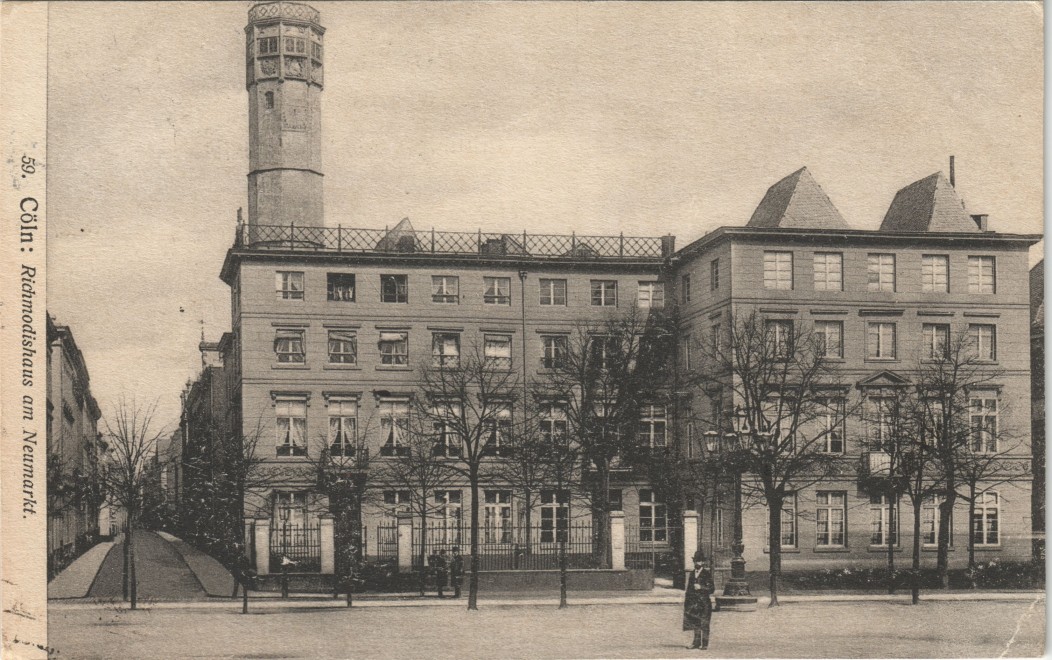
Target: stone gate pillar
(617,540)
(690,539)
(327,544)
(405,541)
(262,546)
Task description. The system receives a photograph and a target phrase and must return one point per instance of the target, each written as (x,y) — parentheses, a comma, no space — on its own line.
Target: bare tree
(408,462)
(466,406)
(950,381)
(132,441)
(602,376)
(788,402)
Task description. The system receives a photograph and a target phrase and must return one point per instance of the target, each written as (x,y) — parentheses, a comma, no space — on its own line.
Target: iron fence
(387,542)
(484,244)
(510,547)
(296,543)
(650,547)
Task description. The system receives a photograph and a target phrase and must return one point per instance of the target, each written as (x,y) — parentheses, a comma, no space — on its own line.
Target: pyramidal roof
(930,204)
(797,202)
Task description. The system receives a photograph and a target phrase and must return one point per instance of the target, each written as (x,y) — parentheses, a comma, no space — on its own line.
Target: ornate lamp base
(736,595)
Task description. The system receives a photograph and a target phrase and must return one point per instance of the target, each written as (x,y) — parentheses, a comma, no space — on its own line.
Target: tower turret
(284,79)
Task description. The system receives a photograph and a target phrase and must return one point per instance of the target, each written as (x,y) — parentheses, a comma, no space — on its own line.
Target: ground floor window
(653,517)
(447,516)
(290,508)
(555,515)
(930,522)
(880,521)
(788,532)
(986,519)
(830,518)
(395,502)
(497,517)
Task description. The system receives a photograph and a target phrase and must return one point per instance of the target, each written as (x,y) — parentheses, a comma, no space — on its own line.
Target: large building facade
(331,325)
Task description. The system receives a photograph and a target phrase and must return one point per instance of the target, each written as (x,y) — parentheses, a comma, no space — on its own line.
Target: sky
(613,117)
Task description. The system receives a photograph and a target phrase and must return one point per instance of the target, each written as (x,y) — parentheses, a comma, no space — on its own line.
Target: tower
(283,43)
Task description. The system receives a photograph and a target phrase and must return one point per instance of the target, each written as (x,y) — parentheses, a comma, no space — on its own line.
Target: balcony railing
(878,462)
(481,244)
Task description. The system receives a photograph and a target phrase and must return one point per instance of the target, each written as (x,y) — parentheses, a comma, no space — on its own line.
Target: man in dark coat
(697,606)
(441,572)
(456,571)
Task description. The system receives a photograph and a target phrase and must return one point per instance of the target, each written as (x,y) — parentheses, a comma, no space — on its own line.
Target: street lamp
(736,595)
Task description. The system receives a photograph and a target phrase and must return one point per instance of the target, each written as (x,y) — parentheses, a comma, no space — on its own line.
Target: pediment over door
(883,379)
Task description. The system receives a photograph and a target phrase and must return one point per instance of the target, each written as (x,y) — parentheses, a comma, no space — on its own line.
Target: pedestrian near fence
(456,571)
(697,604)
(441,571)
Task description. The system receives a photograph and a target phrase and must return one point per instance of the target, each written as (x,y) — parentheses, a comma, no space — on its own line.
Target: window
(880,521)
(554,351)
(394,288)
(604,293)
(829,271)
(394,348)
(497,290)
(935,273)
(830,414)
(985,519)
(268,100)
(880,341)
(395,502)
(715,338)
(292,426)
(289,285)
(553,292)
(445,349)
(496,351)
(615,499)
(653,519)
(982,275)
(685,288)
(496,521)
(446,439)
(555,516)
(982,338)
(339,287)
(315,51)
(778,270)
(936,340)
(497,431)
(830,336)
(684,350)
(930,521)
(295,45)
(446,522)
(343,427)
(553,422)
(714,274)
(652,423)
(288,346)
(881,421)
(268,45)
(290,509)
(881,272)
(343,347)
(830,518)
(394,426)
(445,289)
(788,522)
(651,295)
(983,415)
(603,351)
(779,338)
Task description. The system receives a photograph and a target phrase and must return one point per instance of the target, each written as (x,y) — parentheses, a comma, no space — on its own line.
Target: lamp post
(736,595)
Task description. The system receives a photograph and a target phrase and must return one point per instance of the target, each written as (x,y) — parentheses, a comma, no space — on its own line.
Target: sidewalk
(267,600)
(76,579)
(213,576)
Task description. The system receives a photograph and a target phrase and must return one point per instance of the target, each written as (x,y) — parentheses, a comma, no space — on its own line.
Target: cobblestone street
(795,630)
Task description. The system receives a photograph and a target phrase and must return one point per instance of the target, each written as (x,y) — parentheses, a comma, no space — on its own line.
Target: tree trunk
(126,568)
(945,517)
(890,535)
(774,543)
(971,535)
(528,511)
(473,582)
(915,586)
(133,587)
(423,551)
(562,574)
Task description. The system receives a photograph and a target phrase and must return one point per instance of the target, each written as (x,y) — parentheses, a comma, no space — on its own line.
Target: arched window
(268,99)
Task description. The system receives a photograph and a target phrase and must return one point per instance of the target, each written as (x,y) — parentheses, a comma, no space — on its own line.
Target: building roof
(797,202)
(931,205)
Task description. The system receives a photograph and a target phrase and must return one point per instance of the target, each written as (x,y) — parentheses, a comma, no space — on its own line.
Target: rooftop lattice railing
(485,244)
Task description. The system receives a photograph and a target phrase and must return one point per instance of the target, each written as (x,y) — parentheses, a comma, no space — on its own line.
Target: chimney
(981,221)
(953,179)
